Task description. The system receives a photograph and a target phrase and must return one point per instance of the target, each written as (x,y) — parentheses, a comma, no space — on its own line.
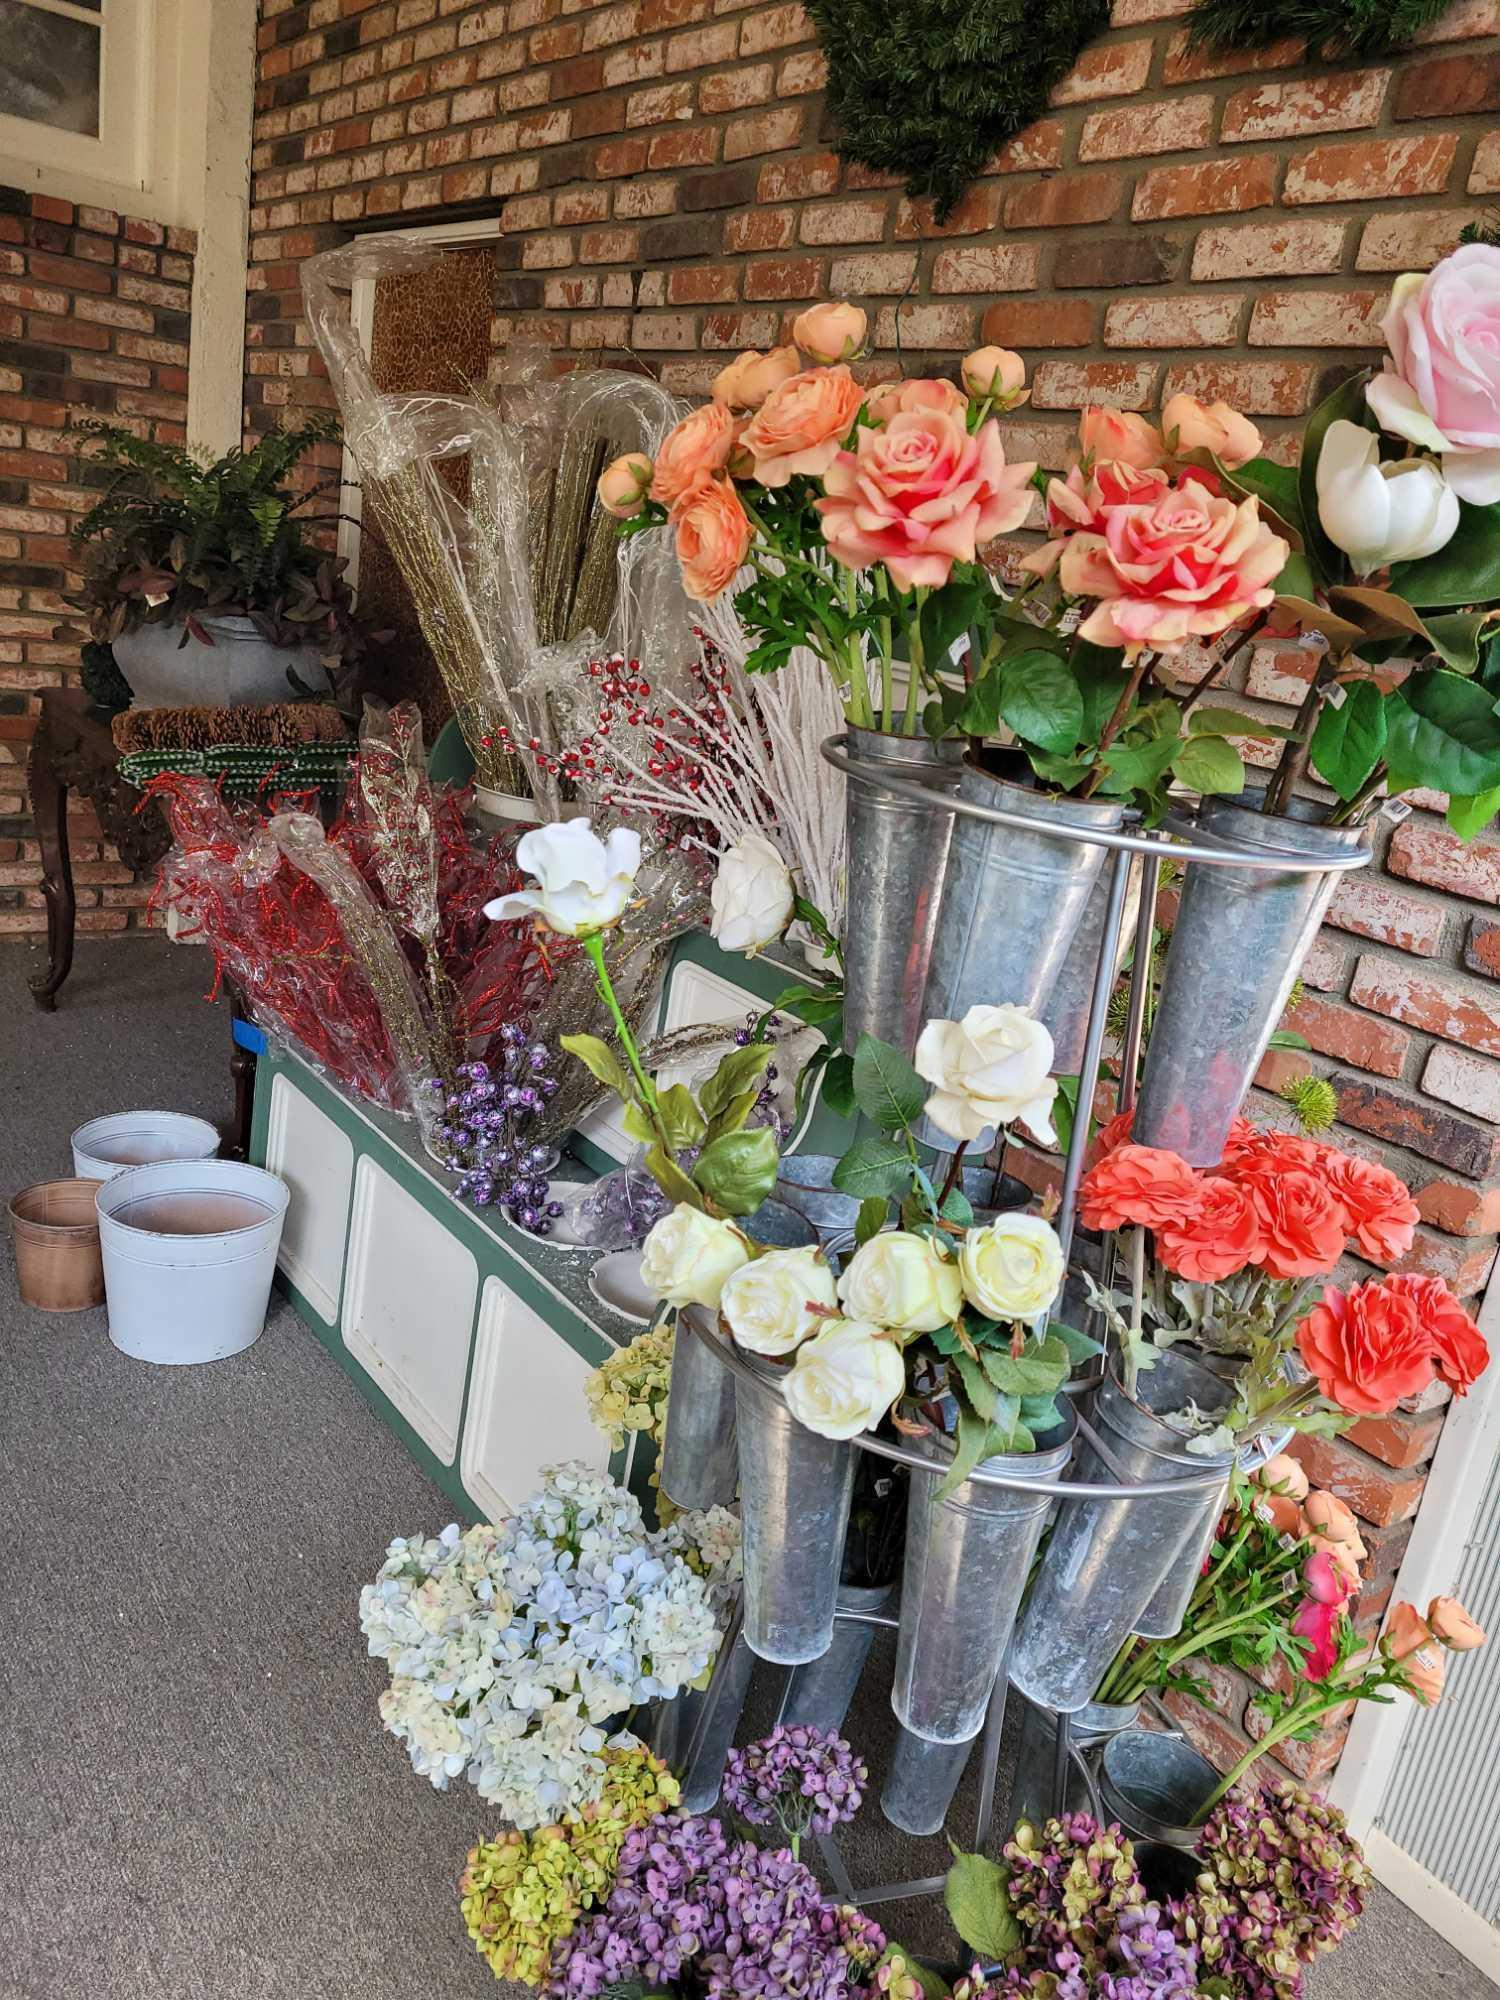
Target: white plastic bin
(189,1252)
(105,1146)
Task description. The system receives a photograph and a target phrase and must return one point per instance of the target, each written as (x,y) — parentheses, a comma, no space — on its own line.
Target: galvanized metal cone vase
(1108,1558)
(1066,1013)
(897,859)
(1013,898)
(699,1463)
(967,1560)
(818,1693)
(795,1490)
(1237,946)
(921,1781)
(1031,1792)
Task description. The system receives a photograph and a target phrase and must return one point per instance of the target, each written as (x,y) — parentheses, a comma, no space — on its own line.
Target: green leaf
(977,1388)
(600,1059)
(946,616)
(1276,487)
(1443,731)
(1037,1371)
(638,1125)
(738,1171)
(979,713)
(1065,1110)
(968,1449)
(1040,1413)
(684,1122)
(873,1211)
(1346,402)
(900,1960)
(1099,674)
(1349,740)
(1137,767)
(1040,699)
(1209,764)
(1467,571)
(1341,633)
(838,1085)
(1229,722)
(957,1208)
(1457,636)
(873,1166)
(670,1178)
(815,1004)
(1287,1038)
(732,1117)
(1295,578)
(735,1073)
(886,1087)
(1472,814)
(1080,1346)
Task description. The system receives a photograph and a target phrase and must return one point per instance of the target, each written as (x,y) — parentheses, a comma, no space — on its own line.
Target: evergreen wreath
(1332,29)
(931,89)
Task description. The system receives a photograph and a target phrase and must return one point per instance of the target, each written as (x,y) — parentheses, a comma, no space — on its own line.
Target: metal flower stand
(1093,1512)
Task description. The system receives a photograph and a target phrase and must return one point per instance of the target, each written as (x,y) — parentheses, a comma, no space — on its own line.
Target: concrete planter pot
(239,670)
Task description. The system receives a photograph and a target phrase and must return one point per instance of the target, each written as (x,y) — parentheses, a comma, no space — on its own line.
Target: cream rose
(688,1256)
(989,1069)
(830,332)
(845,1380)
(1013,1268)
(752,896)
(898,1280)
(769,1301)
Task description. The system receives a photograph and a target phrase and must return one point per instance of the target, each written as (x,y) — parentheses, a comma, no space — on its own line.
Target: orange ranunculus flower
(698,447)
(1377,1202)
(1303,1229)
(1279,1512)
(1139,1184)
(751,376)
(1459,1351)
(1241,1134)
(1453,1625)
(1220,1237)
(1276,1152)
(1189,425)
(1367,1348)
(1328,1516)
(1119,434)
(1283,1474)
(802,424)
(713,538)
(1411,1642)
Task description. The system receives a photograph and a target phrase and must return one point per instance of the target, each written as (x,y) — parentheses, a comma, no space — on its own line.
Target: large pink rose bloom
(1441,384)
(921,495)
(1079,502)
(1186,566)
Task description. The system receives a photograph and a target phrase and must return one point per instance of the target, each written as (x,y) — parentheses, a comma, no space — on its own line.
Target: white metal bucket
(189,1252)
(105,1146)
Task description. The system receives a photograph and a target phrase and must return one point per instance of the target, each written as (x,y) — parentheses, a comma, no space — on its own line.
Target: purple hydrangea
(1070,1881)
(799,1778)
(483,1133)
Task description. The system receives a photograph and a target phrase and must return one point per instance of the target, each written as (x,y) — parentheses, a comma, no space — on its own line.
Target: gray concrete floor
(197,1799)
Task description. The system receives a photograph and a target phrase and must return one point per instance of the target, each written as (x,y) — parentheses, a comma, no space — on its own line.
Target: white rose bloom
(990,1069)
(843,1382)
(688,1255)
(752,895)
(1012,1269)
(1379,514)
(586,883)
(767,1301)
(898,1280)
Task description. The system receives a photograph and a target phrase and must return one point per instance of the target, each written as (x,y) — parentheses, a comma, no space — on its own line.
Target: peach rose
(830,333)
(918,394)
(1377,1202)
(1283,1474)
(1193,426)
(713,538)
(995,374)
(1139,1184)
(749,379)
(920,495)
(1279,1513)
(1330,1518)
(1410,1641)
(1459,1351)
(624,484)
(1220,1237)
(801,424)
(1078,503)
(1119,434)
(1367,1348)
(697,448)
(1191,565)
(1453,1625)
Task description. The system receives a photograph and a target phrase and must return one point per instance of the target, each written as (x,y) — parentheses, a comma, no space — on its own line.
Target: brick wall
(93,322)
(666,182)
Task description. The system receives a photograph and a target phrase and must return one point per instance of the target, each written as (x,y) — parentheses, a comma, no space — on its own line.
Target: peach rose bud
(1405,1631)
(996,373)
(1327,1515)
(1193,426)
(623,485)
(830,333)
(1283,1474)
(746,382)
(1453,1625)
(1410,1641)
(1120,435)
(1279,1512)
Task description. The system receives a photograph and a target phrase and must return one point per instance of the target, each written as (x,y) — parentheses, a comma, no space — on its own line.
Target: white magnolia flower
(752,895)
(988,1070)
(1381,513)
(768,1302)
(586,883)
(843,1382)
(688,1255)
(898,1280)
(1013,1268)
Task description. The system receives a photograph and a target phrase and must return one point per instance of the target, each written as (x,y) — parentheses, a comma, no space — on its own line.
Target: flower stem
(1296,1717)
(1116,722)
(1293,760)
(955,1167)
(594,946)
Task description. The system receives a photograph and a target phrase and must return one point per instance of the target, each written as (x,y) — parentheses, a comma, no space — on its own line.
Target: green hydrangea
(521,1892)
(629,1391)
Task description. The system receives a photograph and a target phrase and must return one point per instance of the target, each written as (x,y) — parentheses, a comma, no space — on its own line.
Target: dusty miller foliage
(1331,30)
(931,89)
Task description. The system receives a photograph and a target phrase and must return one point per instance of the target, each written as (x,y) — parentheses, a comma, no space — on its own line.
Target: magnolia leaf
(735,1073)
(598,1057)
(1456,635)
(1347,403)
(684,1123)
(738,1171)
(873,1211)
(1349,740)
(1466,571)
(1275,487)
(873,1166)
(1295,578)
(1380,613)
(1443,732)
(886,1087)
(1229,722)
(838,1084)
(1470,815)
(1341,633)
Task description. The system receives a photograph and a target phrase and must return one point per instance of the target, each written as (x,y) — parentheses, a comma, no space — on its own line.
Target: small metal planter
(898,856)
(1237,946)
(921,1781)
(699,1465)
(805,1183)
(795,1490)
(967,1560)
(1109,1559)
(1154,1783)
(1066,1013)
(1031,1795)
(1013,900)
(818,1693)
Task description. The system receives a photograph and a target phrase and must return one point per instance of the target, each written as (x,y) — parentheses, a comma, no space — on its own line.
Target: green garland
(1332,29)
(932,89)
(246,769)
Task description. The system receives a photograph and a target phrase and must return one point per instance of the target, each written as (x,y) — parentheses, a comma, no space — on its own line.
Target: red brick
(998,267)
(872,273)
(1417,1124)
(1459,1209)
(735,90)
(1441,1004)
(1064,201)
(1261,388)
(1411,242)
(844,222)
(1465,1080)
(1484,175)
(49,208)
(1186,64)
(1372,169)
(1113,70)
(1371,908)
(1208,321)
(783,278)
(1070,385)
(692,148)
(978,209)
(1376,1492)
(797,180)
(709,285)
(1027,323)
(1317,319)
(926,326)
(1337,102)
(1179,125)
(1284,249)
(776,28)
(1398,1440)
(1465,1270)
(763,132)
(1215,1738)
(761,229)
(1425,852)
(1343,1032)
(1450,87)
(1211,187)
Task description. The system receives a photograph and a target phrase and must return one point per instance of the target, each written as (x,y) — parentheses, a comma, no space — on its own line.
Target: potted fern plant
(201,578)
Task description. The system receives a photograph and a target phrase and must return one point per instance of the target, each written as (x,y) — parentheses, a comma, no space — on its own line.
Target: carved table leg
(49,806)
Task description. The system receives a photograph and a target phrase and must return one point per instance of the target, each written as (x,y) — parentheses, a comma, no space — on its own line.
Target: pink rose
(921,495)
(830,332)
(1106,433)
(624,484)
(892,399)
(1078,502)
(1191,565)
(997,374)
(1193,426)
(748,380)
(713,538)
(801,424)
(1441,383)
(691,453)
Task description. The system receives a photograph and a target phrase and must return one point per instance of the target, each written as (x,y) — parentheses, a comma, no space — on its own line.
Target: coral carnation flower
(1367,1347)
(1111,1136)
(1459,1350)
(1381,1211)
(1220,1237)
(1141,1184)
(1303,1229)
